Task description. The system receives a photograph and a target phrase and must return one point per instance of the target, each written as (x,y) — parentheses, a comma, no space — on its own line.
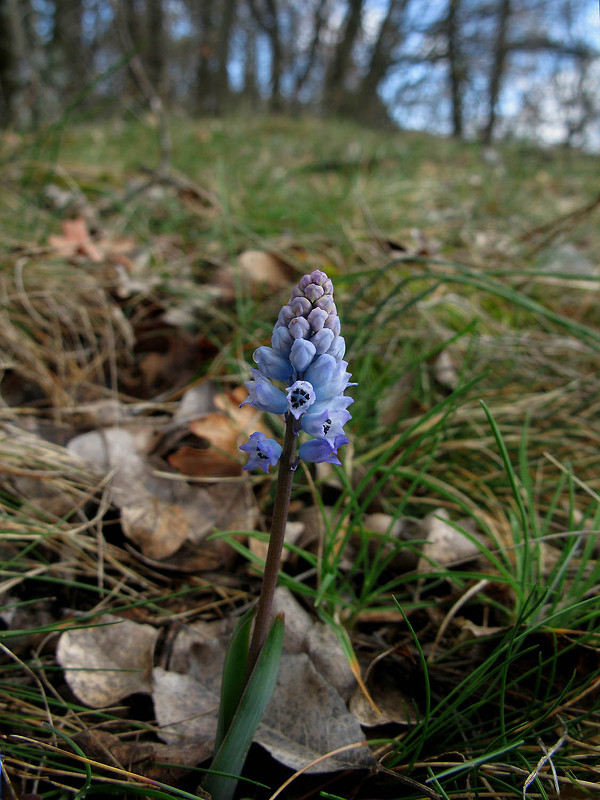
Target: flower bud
(317,318)
(323,340)
(302,354)
(286,315)
(282,340)
(338,348)
(327,304)
(313,292)
(299,328)
(333,323)
(272,364)
(300,306)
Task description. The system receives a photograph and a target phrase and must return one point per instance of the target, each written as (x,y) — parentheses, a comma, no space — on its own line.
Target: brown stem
(287,465)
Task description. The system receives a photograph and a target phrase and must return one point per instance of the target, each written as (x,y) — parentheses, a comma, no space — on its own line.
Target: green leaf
(229,759)
(234,674)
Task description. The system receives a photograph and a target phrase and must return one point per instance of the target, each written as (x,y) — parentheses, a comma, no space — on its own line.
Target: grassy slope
(435,246)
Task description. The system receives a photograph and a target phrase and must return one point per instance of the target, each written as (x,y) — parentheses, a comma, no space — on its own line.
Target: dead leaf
(158,529)
(384,524)
(158,514)
(198,650)
(224,430)
(259,268)
(185,709)
(141,756)
(444,543)
(262,267)
(108,661)
(219,430)
(297,621)
(203,463)
(392,704)
(327,654)
(197,401)
(306,718)
(75,240)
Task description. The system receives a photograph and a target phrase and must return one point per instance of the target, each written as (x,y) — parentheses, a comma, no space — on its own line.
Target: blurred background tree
(470,68)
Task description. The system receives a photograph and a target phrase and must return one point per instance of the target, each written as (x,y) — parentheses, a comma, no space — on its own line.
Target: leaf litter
(306,718)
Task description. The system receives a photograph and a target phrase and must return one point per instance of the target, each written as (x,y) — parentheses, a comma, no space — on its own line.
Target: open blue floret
(263,452)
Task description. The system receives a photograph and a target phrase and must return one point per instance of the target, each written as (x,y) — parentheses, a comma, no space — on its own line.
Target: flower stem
(287,467)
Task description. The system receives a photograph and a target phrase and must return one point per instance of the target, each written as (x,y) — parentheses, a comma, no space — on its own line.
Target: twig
(475,589)
(546,758)
(550,230)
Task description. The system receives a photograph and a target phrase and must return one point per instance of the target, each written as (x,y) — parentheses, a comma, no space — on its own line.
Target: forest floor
(450,564)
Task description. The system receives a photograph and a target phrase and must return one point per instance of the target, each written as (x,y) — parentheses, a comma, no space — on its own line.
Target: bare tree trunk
(67,44)
(456,68)
(20,88)
(132,23)
(267,17)
(335,79)
(499,63)
(222,76)
(155,41)
(251,93)
(382,57)
(9,66)
(205,89)
(311,55)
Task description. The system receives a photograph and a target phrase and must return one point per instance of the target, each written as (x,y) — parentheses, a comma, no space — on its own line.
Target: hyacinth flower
(302,376)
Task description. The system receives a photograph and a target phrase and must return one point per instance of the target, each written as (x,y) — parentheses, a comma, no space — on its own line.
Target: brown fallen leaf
(259,268)
(75,240)
(159,529)
(108,661)
(392,705)
(204,463)
(161,515)
(143,757)
(224,430)
(262,267)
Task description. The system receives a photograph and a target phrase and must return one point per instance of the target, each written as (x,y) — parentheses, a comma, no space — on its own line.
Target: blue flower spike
(306,358)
